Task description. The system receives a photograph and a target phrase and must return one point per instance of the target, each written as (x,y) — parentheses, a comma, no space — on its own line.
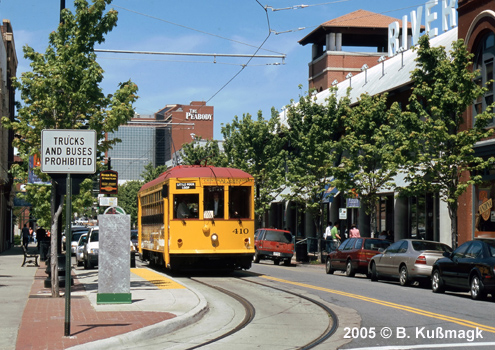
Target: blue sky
(200,26)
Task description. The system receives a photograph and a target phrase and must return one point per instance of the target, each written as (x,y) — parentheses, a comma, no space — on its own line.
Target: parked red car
(273,244)
(354,254)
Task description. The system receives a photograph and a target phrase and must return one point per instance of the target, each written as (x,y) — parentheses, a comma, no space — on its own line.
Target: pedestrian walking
(354,231)
(335,235)
(25,236)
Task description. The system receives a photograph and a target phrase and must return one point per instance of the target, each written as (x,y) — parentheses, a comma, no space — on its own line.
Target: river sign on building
(68,151)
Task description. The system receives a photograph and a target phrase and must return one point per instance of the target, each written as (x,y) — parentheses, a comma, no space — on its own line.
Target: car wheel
(436,282)
(403,276)
(477,288)
(373,274)
(287,262)
(276,262)
(349,270)
(328,267)
(256,257)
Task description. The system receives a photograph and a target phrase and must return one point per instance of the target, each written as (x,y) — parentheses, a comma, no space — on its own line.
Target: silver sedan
(407,260)
(80,249)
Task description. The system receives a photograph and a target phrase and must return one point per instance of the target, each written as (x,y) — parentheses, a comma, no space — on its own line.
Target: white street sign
(342,213)
(68,151)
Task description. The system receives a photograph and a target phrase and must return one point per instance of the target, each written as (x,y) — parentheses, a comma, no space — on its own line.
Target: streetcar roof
(188,171)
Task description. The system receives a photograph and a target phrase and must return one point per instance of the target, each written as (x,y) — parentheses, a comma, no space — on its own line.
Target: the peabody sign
(68,151)
(449,16)
(194,115)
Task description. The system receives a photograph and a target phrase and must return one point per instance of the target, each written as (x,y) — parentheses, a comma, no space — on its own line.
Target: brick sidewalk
(43,320)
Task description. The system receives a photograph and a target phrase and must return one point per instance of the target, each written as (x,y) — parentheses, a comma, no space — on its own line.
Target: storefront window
(485,216)
(484,61)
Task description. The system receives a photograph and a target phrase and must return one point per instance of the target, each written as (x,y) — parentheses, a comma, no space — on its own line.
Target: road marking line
(426,346)
(158,280)
(392,305)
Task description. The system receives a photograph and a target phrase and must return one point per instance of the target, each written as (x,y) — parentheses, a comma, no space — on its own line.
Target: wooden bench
(29,258)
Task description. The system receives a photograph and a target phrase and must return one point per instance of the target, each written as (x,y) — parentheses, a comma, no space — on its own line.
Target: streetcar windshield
(186,206)
(214,201)
(239,199)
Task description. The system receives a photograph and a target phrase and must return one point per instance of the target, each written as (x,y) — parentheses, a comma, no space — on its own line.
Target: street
(392,315)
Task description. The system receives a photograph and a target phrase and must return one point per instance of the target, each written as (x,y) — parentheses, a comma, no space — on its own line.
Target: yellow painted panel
(158,280)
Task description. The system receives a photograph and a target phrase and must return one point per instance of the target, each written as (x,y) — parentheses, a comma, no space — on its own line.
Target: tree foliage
(444,162)
(150,172)
(62,90)
(372,150)
(256,146)
(198,153)
(313,133)
(127,198)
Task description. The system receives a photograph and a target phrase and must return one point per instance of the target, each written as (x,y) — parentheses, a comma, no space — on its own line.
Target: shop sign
(449,15)
(109,182)
(353,203)
(343,213)
(485,209)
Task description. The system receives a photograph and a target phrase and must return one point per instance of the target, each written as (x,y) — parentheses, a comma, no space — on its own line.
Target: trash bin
(302,251)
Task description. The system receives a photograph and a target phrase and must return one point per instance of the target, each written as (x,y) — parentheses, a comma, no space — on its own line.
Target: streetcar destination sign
(68,151)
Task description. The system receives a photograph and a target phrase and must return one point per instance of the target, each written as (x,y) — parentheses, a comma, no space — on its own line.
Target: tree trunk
(453,226)
(54,250)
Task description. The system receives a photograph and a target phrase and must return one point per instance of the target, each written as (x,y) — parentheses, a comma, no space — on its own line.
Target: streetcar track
(250,313)
(249,316)
(331,327)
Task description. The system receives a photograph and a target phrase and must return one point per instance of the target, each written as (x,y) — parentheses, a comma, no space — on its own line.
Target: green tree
(151,173)
(443,88)
(62,90)
(372,149)
(127,198)
(313,132)
(256,146)
(209,153)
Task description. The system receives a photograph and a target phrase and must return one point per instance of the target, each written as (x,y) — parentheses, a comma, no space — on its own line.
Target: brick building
(423,216)
(8,68)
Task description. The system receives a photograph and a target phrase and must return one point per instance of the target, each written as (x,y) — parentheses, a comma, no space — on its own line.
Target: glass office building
(140,146)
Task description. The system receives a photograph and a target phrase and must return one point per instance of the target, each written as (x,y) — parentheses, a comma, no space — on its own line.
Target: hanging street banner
(68,151)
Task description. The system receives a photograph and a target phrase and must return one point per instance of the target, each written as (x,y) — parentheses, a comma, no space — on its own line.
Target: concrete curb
(153,331)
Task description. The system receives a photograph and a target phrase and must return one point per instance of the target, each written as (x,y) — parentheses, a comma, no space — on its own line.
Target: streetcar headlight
(214,238)
(206,229)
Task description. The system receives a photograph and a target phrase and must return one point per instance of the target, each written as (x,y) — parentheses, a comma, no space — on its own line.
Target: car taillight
(421,260)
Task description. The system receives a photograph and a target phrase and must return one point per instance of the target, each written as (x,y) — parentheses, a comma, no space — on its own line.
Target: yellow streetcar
(195,217)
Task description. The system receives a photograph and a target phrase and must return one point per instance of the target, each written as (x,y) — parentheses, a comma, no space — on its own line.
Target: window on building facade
(483,61)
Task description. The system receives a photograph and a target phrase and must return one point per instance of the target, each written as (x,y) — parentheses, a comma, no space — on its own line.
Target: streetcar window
(239,201)
(186,206)
(214,201)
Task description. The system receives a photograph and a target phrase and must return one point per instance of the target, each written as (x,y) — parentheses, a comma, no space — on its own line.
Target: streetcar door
(166,226)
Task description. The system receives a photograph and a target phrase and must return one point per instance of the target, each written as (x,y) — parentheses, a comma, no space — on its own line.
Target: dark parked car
(354,254)
(468,268)
(273,244)
(407,260)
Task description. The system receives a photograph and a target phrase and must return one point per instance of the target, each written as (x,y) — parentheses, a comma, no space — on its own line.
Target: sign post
(68,152)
